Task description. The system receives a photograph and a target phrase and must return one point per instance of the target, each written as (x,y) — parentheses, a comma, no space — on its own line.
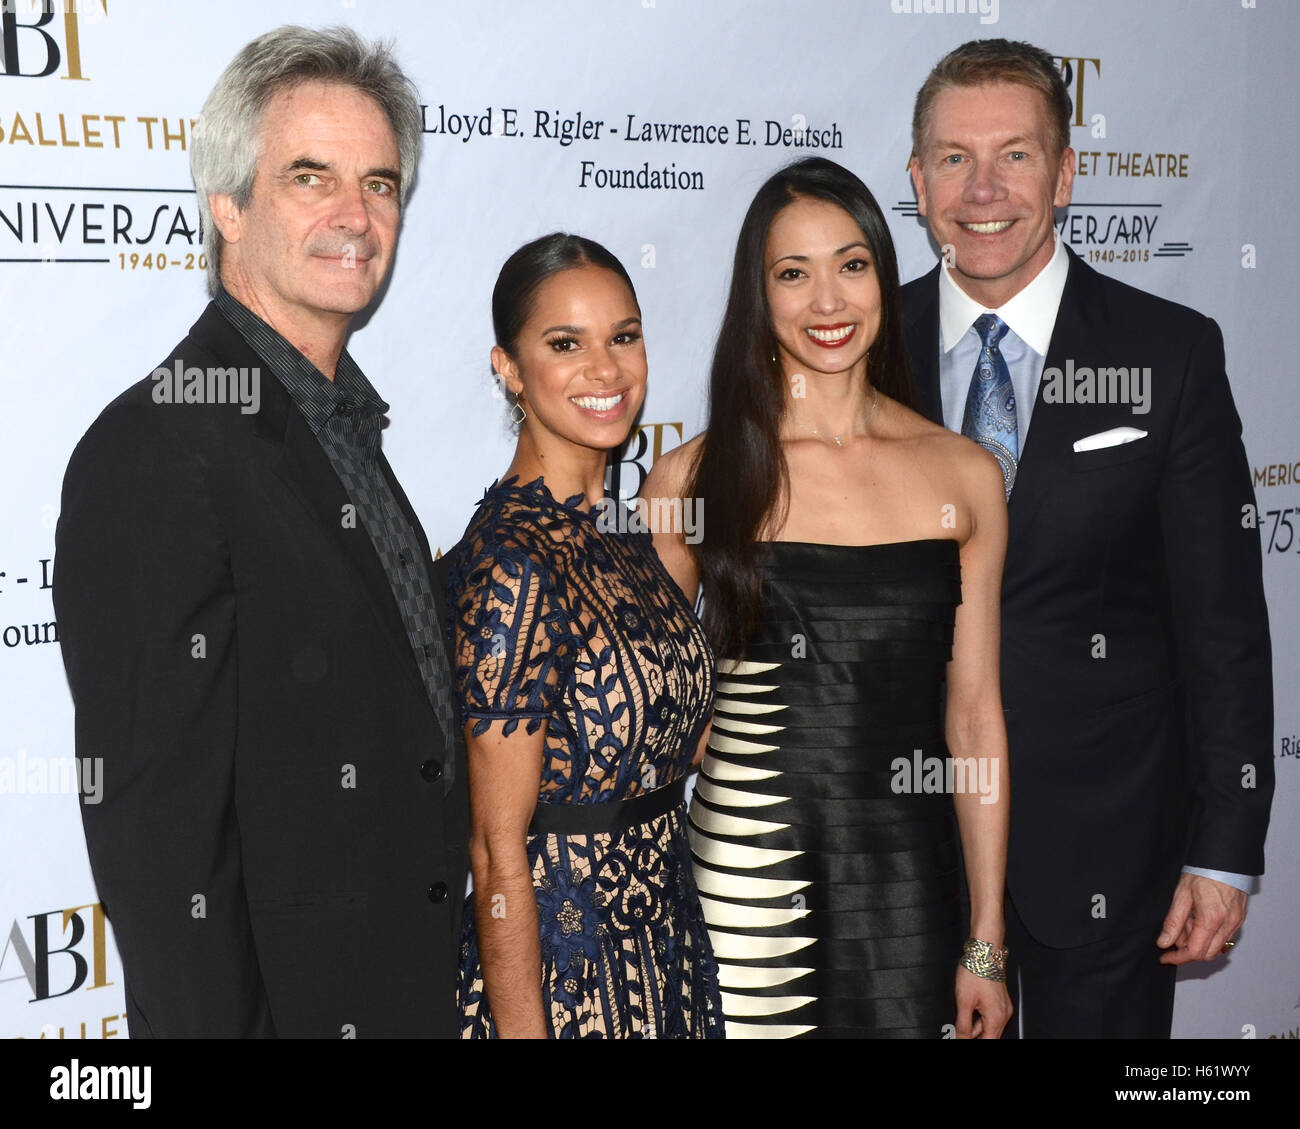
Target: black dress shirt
(346,415)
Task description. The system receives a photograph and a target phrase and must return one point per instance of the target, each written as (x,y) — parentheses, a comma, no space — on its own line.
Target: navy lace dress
(559,618)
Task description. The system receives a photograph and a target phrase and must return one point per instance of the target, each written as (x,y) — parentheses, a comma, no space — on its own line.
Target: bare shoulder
(672,471)
(975,469)
(908,425)
(956,467)
(948,454)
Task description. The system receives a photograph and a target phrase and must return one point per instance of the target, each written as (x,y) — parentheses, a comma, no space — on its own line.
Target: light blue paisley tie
(990,417)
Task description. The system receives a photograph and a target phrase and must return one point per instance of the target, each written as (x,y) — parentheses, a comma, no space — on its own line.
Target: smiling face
(579,360)
(822,289)
(317,235)
(988,183)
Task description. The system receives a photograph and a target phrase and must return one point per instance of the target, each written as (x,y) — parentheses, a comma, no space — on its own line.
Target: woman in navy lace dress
(585,687)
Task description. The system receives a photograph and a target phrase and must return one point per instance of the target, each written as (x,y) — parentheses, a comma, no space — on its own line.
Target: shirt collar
(316,396)
(1030,314)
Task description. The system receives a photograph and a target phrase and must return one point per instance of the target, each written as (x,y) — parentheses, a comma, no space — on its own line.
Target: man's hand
(1202,916)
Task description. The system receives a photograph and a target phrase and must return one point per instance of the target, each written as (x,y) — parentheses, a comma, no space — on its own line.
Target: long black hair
(740,476)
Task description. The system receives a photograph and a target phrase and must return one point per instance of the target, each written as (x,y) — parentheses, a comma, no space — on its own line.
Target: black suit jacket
(279,847)
(1126,767)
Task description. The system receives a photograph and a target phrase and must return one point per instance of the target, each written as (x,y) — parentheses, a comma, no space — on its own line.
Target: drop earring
(518,407)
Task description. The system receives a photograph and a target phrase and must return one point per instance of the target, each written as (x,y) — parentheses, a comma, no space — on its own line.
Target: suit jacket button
(438,892)
(431,770)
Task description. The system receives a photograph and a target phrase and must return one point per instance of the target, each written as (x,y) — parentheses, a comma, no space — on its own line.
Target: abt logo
(625,476)
(34,43)
(56,971)
(1073,68)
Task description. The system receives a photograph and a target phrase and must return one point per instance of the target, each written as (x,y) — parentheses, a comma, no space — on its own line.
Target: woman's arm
(977,739)
(504,773)
(514,654)
(665,485)
(662,493)
(703,744)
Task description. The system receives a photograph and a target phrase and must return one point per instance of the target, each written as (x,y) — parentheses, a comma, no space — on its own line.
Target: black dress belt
(595,818)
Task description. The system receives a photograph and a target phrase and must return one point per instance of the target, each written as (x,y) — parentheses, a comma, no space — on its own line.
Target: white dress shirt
(1030,317)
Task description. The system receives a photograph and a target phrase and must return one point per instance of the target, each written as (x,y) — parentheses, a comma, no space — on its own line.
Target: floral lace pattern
(557,616)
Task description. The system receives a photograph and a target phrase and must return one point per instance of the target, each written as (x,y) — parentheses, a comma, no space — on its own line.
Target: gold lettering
(41,139)
(657,437)
(20,131)
(169,137)
(72,34)
(98,945)
(1078,98)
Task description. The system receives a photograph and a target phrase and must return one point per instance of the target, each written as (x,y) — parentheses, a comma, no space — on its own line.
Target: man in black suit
(245,604)
(1136,666)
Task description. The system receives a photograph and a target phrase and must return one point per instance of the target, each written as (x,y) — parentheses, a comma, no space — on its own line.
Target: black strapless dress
(828,871)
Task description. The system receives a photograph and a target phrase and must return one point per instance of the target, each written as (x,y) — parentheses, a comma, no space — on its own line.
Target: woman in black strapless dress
(850,569)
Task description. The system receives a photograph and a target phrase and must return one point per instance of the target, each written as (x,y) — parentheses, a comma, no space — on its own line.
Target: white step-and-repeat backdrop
(648,125)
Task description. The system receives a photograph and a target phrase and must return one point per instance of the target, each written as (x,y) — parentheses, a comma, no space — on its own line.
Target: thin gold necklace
(875,395)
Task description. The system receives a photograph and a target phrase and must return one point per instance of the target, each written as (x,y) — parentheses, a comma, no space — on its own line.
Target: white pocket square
(1112,438)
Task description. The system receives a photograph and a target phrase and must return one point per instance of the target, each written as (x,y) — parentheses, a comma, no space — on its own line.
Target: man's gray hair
(226,143)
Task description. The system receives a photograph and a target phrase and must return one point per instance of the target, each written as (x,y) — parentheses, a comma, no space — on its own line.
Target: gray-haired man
(245,606)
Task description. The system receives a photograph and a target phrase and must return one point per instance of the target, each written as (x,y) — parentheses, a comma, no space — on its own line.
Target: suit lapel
(299,461)
(921,332)
(1048,444)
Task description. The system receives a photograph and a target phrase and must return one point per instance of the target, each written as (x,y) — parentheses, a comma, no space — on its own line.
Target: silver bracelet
(984,960)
